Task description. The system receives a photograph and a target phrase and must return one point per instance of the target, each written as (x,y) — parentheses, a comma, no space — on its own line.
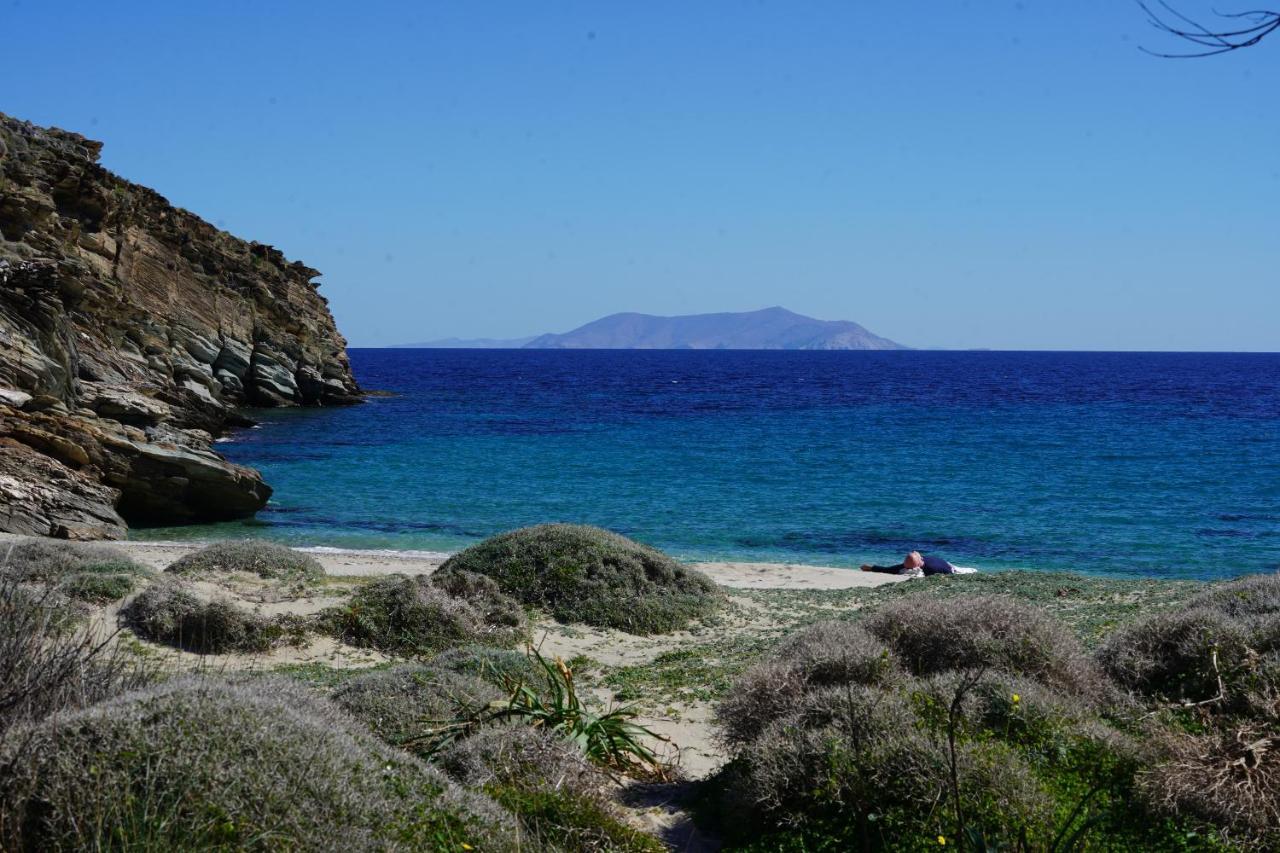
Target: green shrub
(562,801)
(171,612)
(417,616)
(565,823)
(995,632)
(931,722)
(500,667)
(589,575)
(526,756)
(206,763)
(95,574)
(264,559)
(408,705)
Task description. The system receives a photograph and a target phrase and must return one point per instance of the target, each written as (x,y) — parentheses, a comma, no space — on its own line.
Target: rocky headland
(131,333)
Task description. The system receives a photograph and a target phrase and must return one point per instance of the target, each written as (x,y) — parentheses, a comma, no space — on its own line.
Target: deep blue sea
(1119,463)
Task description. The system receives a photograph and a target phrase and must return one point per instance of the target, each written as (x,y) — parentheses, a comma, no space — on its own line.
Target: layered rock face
(130,334)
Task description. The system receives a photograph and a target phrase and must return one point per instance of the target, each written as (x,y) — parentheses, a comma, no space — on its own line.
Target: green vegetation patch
(93,574)
(201,763)
(560,799)
(264,560)
(844,739)
(415,707)
(419,616)
(1092,606)
(585,574)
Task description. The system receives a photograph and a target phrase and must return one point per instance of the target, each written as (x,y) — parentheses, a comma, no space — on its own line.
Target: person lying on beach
(930,564)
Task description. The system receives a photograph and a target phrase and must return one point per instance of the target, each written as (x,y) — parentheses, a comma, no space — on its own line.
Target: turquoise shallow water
(1153,464)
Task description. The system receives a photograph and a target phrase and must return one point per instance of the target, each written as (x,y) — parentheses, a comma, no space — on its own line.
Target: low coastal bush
(418,615)
(48,665)
(171,612)
(94,574)
(500,667)
(415,707)
(263,559)
(210,764)
(1177,656)
(909,730)
(561,800)
(585,574)
(1211,672)
(1256,595)
(992,632)
(1225,641)
(825,654)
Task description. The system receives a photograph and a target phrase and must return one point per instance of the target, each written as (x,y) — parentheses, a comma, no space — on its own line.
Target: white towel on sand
(958,570)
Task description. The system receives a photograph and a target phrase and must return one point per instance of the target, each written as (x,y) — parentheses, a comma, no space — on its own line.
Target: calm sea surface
(1153,464)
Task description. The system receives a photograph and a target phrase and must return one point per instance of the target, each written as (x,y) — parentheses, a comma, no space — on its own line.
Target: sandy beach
(351,563)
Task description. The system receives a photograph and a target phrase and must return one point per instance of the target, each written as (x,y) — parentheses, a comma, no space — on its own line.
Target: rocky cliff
(130,333)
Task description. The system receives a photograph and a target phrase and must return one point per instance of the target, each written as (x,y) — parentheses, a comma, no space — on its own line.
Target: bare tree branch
(1244,30)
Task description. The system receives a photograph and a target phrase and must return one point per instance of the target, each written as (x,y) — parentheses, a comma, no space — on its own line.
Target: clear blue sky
(949,174)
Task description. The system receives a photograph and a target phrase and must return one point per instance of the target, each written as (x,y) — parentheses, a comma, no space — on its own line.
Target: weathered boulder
(131,332)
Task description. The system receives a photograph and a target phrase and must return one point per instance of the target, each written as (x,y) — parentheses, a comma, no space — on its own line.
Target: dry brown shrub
(1229,778)
(171,612)
(826,654)
(993,632)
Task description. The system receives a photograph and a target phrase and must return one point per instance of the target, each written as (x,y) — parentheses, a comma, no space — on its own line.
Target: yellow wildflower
(942,839)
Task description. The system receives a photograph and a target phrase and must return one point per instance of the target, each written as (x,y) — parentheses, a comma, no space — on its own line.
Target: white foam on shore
(407,554)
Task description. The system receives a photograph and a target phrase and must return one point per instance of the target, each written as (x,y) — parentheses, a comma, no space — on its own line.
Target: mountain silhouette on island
(769,329)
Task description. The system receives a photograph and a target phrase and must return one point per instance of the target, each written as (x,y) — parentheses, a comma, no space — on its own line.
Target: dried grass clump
(95,574)
(205,763)
(405,705)
(585,574)
(262,561)
(1229,778)
(417,616)
(171,612)
(825,654)
(45,665)
(994,632)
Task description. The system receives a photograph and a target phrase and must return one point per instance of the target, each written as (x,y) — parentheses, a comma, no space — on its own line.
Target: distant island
(769,328)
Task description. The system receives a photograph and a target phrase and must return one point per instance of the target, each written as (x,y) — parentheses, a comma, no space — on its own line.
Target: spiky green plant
(610,738)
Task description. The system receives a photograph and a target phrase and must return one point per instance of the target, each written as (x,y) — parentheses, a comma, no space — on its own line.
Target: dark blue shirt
(937,566)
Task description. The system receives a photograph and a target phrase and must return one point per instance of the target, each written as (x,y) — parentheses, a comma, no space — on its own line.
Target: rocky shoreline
(131,334)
